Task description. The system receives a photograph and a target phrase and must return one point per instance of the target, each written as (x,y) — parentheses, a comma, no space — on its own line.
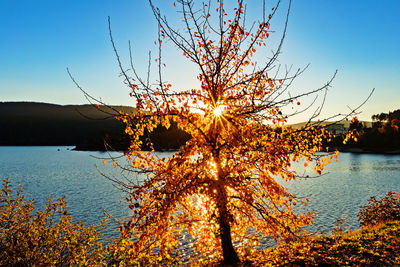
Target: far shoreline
(357,150)
(353,150)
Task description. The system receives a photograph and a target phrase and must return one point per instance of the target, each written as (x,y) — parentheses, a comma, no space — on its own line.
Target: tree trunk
(228,251)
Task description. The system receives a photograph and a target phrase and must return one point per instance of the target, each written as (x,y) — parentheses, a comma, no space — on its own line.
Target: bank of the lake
(373,246)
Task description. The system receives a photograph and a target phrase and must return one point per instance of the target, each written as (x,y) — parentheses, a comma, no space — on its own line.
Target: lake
(59,171)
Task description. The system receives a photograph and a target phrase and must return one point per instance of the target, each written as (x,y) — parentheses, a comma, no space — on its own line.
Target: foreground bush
(47,237)
(376,246)
(380,211)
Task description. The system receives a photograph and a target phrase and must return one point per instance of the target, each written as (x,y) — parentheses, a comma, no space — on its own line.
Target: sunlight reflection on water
(44,171)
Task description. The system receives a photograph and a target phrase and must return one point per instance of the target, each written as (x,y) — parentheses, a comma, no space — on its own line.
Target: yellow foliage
(30,237)
(374,246)
(221,189)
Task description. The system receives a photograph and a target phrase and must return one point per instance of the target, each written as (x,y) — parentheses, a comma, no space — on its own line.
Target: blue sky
(41,38)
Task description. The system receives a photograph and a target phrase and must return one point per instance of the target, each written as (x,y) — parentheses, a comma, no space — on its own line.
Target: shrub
(30,237)
(380,211)
(373,246)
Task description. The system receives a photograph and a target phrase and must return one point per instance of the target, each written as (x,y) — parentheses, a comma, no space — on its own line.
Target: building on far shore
(337,128)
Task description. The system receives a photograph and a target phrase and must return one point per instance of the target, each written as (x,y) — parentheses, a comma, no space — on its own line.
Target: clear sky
(41,38)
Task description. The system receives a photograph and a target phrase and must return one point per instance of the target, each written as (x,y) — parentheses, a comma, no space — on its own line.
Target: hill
(84,126)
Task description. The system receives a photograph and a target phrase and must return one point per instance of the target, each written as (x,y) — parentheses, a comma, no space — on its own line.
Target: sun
(218,111)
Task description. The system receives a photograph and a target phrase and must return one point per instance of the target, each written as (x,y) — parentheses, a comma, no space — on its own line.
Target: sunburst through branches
(222,186)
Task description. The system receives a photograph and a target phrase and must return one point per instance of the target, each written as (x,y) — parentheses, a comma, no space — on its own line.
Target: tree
(356,125)
(380,211)
(221,187)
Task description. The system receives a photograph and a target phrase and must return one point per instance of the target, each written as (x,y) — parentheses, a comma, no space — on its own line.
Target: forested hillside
(84,126)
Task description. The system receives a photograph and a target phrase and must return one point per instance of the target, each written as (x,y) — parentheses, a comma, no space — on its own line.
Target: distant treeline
(85,126)
(382,137)
(89,128)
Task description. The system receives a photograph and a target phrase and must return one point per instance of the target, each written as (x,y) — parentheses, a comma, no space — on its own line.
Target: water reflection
(355,162)
(45,171)
(347,185)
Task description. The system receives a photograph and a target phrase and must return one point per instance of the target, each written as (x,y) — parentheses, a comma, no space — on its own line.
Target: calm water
(346,185)
(58,171)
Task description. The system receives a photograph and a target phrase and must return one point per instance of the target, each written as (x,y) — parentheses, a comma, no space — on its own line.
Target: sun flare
(218,111)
